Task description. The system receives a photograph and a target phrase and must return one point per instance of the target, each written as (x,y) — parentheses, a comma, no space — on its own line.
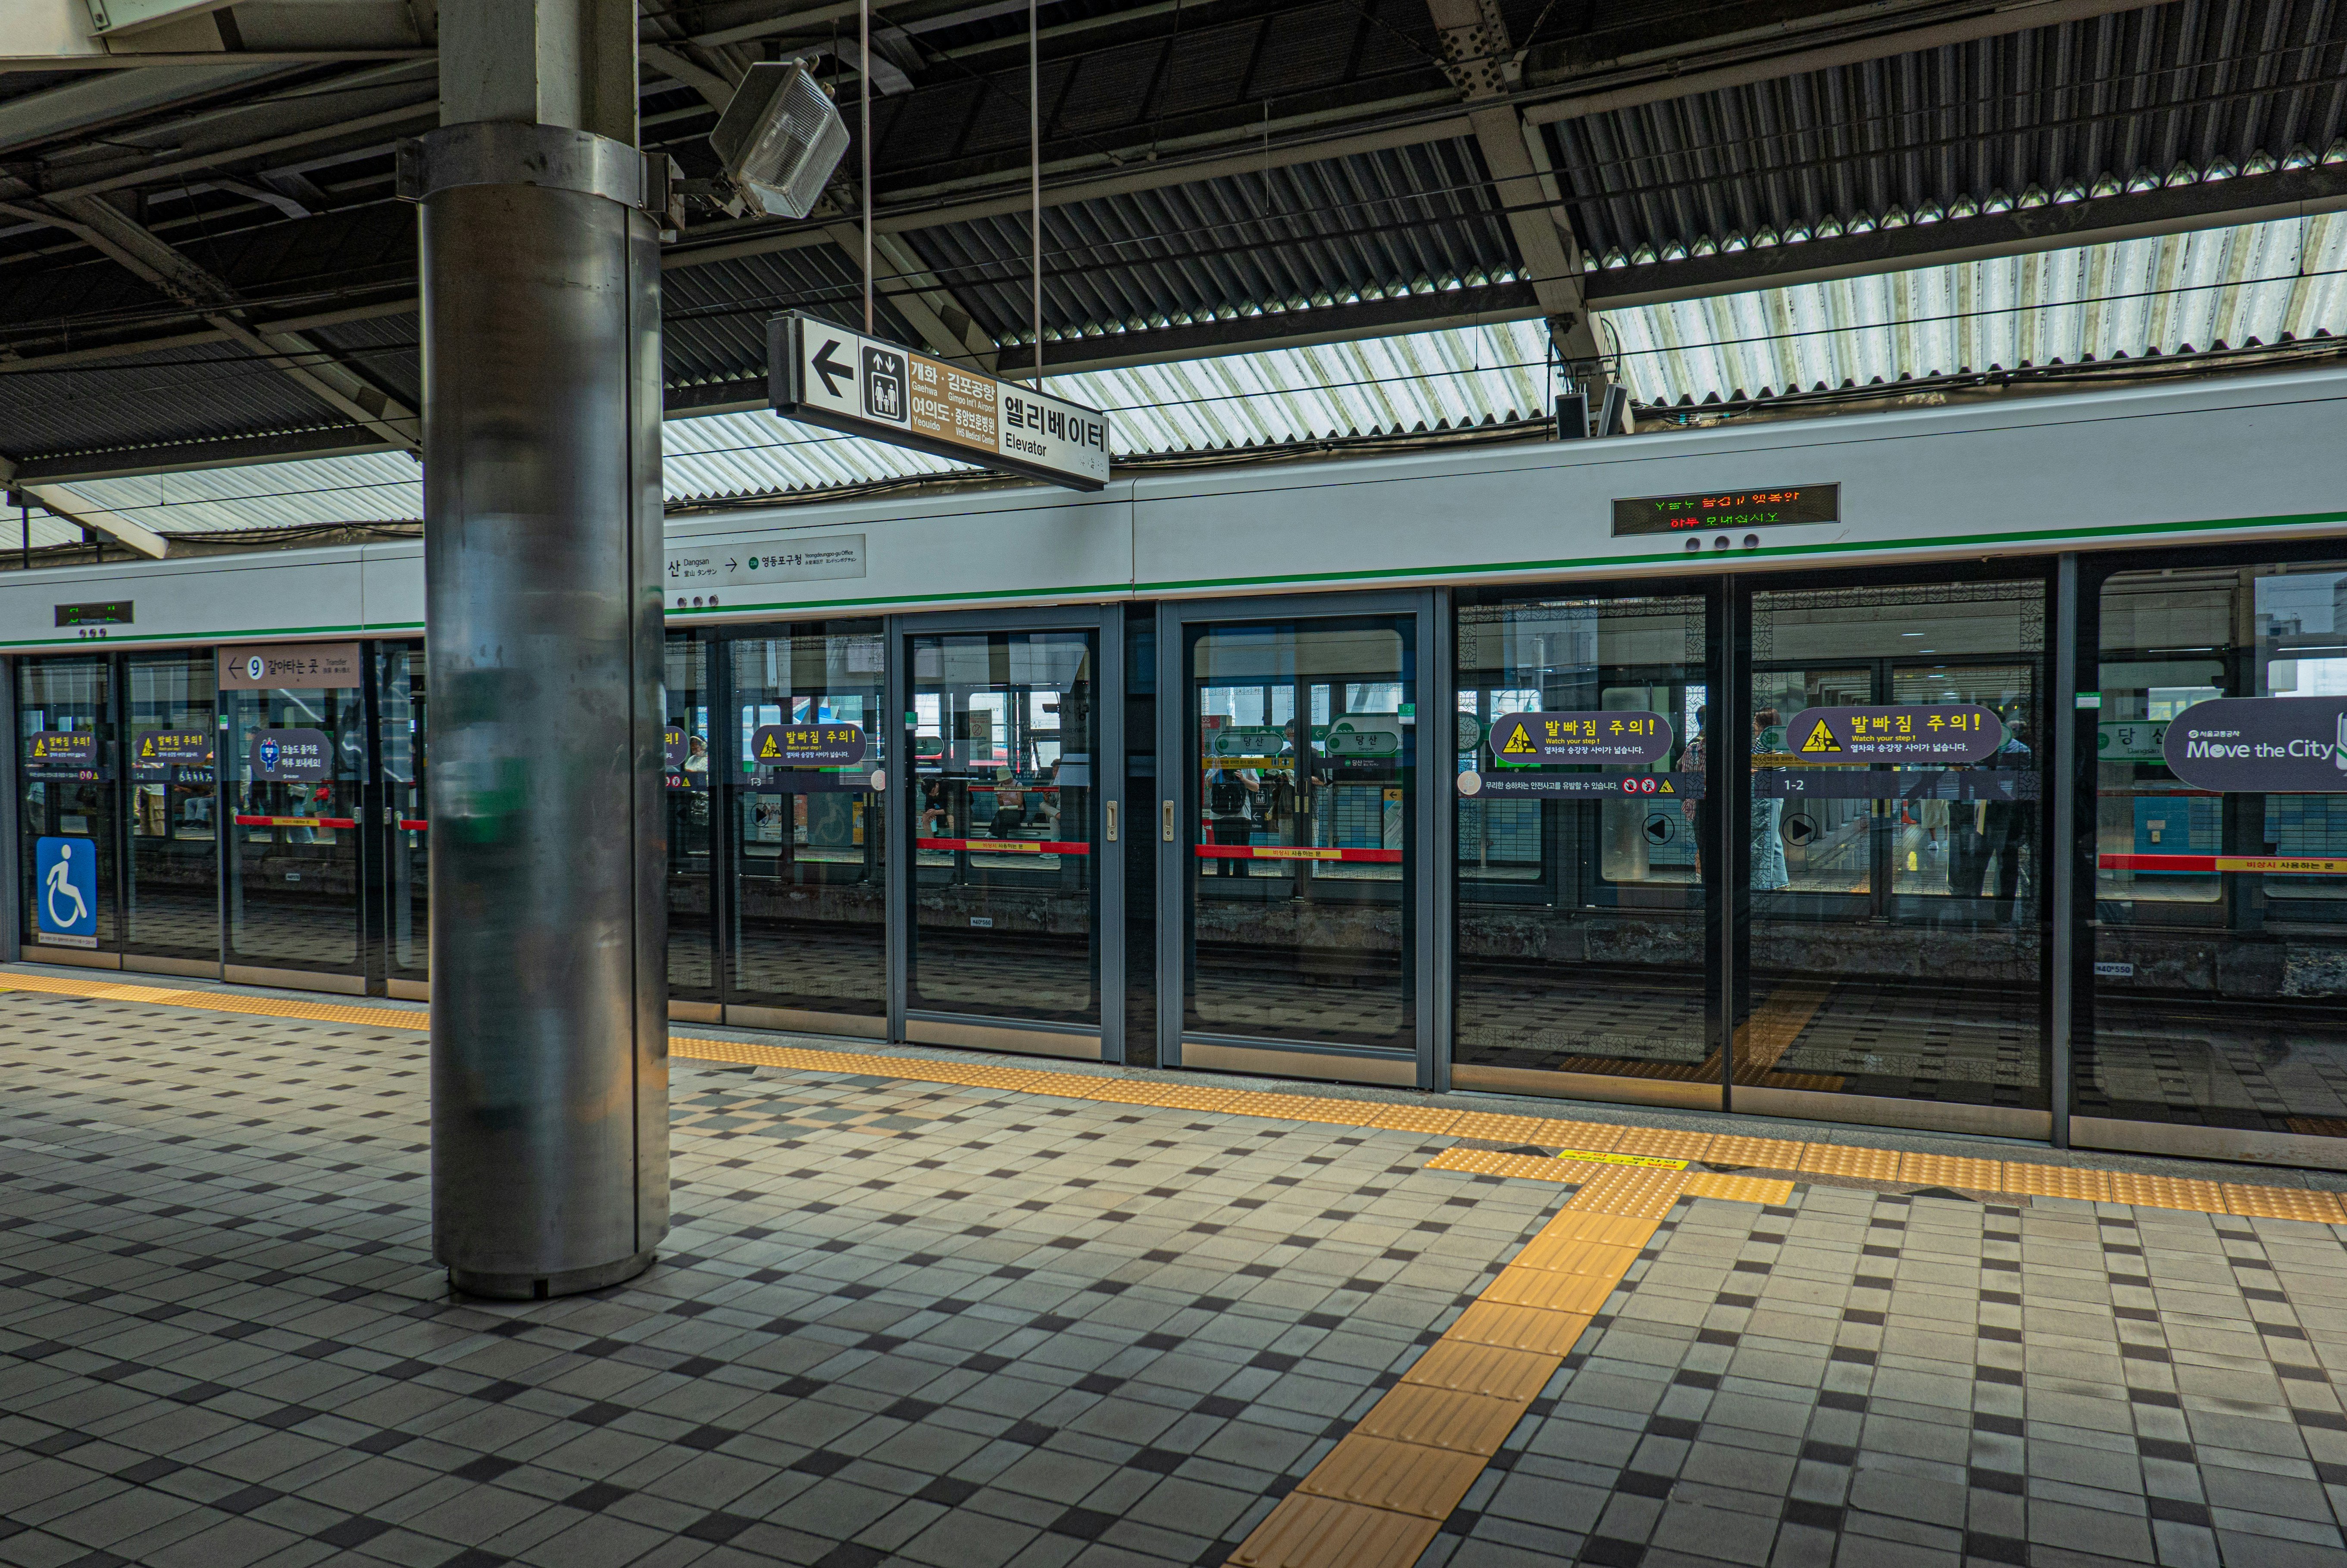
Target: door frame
(1733,770)
(1106,621)
(1428,1066)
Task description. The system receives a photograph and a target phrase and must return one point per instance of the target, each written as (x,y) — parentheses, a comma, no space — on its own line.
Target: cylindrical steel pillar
(543,637)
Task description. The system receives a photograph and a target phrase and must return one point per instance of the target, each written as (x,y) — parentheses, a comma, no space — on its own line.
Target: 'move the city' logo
(2274,745)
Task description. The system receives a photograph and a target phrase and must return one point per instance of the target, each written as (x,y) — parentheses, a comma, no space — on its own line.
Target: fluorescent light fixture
(779,139)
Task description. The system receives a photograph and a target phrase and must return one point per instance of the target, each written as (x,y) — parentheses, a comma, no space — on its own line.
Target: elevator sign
(822,374)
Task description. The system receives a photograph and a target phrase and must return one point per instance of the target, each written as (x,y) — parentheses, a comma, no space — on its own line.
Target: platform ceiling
(1227,182)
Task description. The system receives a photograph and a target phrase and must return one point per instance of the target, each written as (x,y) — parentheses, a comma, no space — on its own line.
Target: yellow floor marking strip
(1585,1147)
(1463,1367)
(1770,1029)
(1320,1533)
(1407,1478)
(1447,1419)
(1738,1189)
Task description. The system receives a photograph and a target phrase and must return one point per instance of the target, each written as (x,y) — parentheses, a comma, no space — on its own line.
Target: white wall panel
(2236,459)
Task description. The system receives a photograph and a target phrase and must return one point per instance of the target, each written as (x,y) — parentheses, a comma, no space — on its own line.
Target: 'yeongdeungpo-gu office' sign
(2279,745)
(844,381)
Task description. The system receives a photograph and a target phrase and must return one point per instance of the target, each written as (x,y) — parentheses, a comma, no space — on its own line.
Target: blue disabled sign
(66,892)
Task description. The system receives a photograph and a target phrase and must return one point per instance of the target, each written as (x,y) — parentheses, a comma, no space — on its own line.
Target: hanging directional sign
(859,385)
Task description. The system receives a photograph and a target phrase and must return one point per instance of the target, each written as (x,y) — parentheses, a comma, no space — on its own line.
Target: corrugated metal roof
(2256,284)
(2235,287)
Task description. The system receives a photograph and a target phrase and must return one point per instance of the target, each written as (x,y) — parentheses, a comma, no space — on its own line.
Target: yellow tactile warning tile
(1848,1160)
(1553,1290)
(1463,1367)
(1446,1418)
(1540,1132)
(1532,1328)
(1493,1162)
(1412,1119)
(2056,1182)
(1737,1189)
(1407,1478)
(1766,1154)
(1666,1142)
(1952,1170)
(1307,1532)
(2167,1193)
(1578,1227)
(1640,1191)
(2284,1204)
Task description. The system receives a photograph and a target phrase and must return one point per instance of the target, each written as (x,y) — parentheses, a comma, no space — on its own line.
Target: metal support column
(543,635)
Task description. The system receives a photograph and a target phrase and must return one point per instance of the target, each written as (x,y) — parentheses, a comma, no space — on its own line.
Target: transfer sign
(861,385)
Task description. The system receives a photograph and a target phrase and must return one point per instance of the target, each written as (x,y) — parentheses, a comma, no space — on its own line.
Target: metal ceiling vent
(780,138)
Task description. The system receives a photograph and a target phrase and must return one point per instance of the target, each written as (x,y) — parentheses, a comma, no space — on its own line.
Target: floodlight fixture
(779,139)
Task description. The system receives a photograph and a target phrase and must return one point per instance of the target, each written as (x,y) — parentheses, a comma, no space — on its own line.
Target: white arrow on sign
(860,386)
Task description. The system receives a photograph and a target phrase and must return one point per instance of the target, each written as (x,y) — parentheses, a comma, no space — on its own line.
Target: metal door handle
(1111,821)
(1168,825)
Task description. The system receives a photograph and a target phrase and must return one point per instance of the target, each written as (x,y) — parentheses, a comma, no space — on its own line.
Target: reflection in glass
(692,936)
(1581,920)
(810,890)
(1896,944)
(1004,898)
(68,694)
(1303,739)
(294,888)
(407,879)
(172,908)
(2218,980)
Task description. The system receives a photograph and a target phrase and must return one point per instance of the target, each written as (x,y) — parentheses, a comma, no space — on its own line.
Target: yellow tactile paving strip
(1647,1162)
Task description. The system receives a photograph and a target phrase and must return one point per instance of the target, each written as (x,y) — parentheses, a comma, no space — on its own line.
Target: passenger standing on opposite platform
(1768,871)
(1691,761)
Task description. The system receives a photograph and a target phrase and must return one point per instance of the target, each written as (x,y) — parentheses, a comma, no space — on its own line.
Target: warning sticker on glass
(1947,734)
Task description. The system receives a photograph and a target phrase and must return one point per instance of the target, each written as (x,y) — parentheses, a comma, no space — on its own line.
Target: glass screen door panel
(809,903)
(294,867)
(1005,896)
(171,908)
(1581,915)
(69,800)
(692,918)
(2219,961)
(407,879)
(1895,947)
(1301,861)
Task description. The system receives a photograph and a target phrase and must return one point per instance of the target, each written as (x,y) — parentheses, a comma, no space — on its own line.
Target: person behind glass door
(1692,761)
(1769,872)
(1990,830)
(1232,794)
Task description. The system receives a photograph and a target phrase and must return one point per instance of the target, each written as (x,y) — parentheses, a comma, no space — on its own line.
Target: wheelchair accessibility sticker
(67,916)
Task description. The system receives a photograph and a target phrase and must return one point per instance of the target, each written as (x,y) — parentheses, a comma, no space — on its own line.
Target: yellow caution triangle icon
(1666,788)
(768,749)
(1520,744)
(40,747)
(147,747)
(1821,739)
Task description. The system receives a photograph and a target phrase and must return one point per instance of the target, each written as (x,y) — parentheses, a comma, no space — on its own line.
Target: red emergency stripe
(1282,852)
(1006,846)
(2283,865)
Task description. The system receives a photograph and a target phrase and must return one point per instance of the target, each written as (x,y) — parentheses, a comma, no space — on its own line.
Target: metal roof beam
(1477,55)
(67,506)
(106,229)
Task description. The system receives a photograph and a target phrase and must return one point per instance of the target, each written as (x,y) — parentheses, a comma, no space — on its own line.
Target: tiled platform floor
(948,1324)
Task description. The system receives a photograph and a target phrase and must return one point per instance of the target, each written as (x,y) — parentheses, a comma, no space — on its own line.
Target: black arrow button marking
(826,367)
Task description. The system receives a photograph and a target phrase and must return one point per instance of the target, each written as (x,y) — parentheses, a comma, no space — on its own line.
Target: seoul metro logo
(2273,745)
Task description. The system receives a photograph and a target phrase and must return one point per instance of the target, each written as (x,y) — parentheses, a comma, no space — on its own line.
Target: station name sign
(1780,507)
(858,385)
